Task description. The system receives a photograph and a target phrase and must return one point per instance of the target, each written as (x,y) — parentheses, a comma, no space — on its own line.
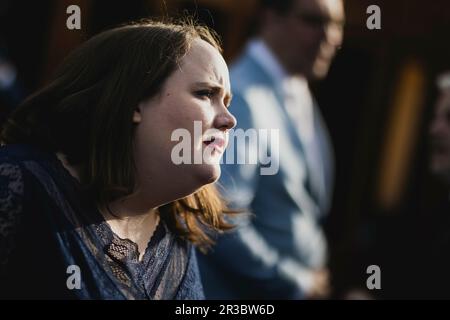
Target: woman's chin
(193,178)
(208,173)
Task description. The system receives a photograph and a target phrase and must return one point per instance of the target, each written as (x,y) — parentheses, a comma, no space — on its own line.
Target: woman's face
(187,120)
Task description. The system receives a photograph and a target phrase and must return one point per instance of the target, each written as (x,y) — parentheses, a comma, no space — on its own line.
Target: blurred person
(279,250)
(435,222)
(440,132)
(11,90)
(413,245)
(86,177)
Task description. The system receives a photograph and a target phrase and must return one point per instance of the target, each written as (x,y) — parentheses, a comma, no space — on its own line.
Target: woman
(91,204)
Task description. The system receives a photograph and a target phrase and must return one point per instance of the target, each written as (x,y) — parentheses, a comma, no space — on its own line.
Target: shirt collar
(265,57)
(259,51)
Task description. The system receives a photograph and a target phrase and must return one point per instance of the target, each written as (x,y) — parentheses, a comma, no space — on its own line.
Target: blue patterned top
(55,244)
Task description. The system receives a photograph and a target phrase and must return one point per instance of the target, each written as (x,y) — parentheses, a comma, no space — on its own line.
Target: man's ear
(137,114)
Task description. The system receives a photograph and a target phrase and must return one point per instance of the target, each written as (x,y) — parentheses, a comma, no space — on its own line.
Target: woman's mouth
(215,143)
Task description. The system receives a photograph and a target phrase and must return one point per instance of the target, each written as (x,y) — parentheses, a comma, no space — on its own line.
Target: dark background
(377,101)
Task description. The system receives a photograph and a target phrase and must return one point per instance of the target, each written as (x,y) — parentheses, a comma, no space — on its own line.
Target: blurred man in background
(11,91)
(280,251)
(435,263)
(416,242)
(440,132)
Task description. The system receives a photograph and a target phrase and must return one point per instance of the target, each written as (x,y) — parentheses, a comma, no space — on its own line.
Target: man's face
(440,137)
(310,33)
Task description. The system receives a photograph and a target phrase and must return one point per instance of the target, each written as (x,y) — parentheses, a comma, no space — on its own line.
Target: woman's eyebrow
(209,84)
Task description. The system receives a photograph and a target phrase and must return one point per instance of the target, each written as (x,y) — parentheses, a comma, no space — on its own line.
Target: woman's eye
(205,94)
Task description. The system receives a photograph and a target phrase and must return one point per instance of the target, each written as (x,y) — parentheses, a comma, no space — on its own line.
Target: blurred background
(377,101)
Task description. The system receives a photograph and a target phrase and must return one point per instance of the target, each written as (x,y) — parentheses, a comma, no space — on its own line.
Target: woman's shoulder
(12,180)
(19,187)
(15,181)
(20,164)
(22,152)
(12,195)
(12,187)
(14,174)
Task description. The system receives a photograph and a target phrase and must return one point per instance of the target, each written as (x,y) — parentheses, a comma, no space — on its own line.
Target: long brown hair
(86,112)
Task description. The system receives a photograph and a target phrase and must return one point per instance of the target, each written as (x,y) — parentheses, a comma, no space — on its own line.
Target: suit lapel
(294,169)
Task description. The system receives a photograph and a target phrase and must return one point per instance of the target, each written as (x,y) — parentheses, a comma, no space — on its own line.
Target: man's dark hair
(279,6)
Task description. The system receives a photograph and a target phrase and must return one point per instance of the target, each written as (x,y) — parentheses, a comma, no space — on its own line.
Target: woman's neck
(127,222)
(129,218)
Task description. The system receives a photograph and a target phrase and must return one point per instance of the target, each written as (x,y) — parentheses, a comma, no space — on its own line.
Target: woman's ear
(137,114)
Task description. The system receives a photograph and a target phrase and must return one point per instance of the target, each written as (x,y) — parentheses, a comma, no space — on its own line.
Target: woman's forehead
(205,62)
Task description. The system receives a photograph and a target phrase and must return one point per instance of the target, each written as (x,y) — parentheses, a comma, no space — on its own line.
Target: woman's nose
(225,121)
